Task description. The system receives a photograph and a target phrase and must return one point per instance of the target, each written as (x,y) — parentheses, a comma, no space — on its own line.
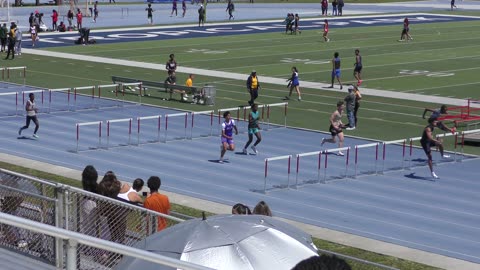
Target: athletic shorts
(358,69)
(336,73)
(334,132)
(228,141)
(253,130)
(427,146)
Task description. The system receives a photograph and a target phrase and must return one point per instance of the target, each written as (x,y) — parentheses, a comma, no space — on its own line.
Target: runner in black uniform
(428,141)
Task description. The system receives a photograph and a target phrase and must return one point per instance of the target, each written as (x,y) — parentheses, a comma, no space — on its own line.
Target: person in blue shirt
(253,129)
(294,82)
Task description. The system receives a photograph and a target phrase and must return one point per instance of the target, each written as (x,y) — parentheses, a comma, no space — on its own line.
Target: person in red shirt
(79,19)
(325,31)
(157,202)
(54,20)
(406,31)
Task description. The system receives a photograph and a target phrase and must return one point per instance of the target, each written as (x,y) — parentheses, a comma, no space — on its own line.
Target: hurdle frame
(356,156)
(319,164)
(117,86)
(325,167)
(138,84)
(289,158)
(34,91)
(99,123)
(129,120)
(192,115)
(174,115)
(60,90)
(16,99)
(159,117)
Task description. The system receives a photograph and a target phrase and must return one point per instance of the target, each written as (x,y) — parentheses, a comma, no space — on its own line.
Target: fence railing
(75,210)
(75,240)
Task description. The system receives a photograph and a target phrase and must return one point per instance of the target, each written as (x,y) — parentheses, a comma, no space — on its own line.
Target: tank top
(31,107)
(336,60)
(295,80)
(125,195)
(171,65)
(359,61)
(253,123)
(228,127)
(424,134)
(337,119)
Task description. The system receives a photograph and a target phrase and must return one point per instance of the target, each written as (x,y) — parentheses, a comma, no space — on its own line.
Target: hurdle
(115,89)
(402,143)
(64,91)
(99,123)
(297,169)
(129,86)
(33,91)
(326,161)
(288,158)
(91,94)
(7,73)
(210,113)
(159,123)
(185,114)
(269,111)
(13,94)
(357,147)
(129,120)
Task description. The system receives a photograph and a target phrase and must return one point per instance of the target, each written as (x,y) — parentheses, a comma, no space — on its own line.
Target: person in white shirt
(31,115)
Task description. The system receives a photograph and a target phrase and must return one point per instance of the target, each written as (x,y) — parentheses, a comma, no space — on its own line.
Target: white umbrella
(229,242)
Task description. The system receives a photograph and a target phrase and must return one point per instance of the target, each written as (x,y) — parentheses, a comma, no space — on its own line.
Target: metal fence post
(72,254)
(59,218)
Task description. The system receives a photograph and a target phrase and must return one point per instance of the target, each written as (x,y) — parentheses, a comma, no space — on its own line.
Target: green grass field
(442,60)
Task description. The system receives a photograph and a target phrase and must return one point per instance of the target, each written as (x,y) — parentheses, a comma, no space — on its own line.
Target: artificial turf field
(442,60)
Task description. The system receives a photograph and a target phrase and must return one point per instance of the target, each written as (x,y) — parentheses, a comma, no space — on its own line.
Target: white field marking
(108,68)
(89,66)
(126,70)
(317,95)
(445,86)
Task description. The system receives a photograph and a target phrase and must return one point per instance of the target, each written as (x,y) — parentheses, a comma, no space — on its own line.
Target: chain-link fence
(75,210)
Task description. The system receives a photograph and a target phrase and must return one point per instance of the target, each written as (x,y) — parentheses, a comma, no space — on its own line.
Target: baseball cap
(351,87)
(254,71)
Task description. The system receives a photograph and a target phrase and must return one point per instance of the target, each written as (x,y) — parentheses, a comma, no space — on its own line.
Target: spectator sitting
(116,216)
(138,184)
(62,27)
(262,208)
(323,262)
(157,202)
(241,209)
(130,194)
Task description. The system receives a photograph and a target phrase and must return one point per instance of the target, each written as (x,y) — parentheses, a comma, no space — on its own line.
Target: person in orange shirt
(157,202)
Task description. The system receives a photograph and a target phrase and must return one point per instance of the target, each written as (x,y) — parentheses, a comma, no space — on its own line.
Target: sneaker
(245,151)
(220,160)
(299,99)
(328,40)
(20,132)
(35,136)
(350,128)
(323,142)
(434,175)
(341,87)
(359,82)
(287,98)
(340,153)
(446,156)
(254,149)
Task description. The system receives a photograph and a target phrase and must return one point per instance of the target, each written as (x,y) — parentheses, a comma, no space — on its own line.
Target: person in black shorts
(31,115)
(428,141)
(436,113)
(336,127)
(357,71)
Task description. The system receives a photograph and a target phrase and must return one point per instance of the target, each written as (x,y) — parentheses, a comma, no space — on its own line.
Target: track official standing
(253,85)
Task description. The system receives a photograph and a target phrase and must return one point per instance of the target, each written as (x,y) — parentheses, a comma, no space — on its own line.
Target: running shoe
(254,149)
(245,151)
(35,136)
(220,160)
(340,153)
(299,99)
(323,142)
(446,156)
(434,175)
(350,128)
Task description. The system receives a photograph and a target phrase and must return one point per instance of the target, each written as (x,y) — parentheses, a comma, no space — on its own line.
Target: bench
(163,87)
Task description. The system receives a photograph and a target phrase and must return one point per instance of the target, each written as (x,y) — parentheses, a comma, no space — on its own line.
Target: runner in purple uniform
(227,135)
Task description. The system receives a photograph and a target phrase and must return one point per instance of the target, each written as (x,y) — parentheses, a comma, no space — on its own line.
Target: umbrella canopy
(228,242)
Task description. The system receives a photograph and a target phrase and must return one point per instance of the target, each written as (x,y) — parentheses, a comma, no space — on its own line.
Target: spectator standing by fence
(201,16)
(149,10)
(350,100)
(79,18)
(11,44)
(3,36)
(54,20)
(18,41)
(341,3)
(157,202)
(184,8)
(70,18)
